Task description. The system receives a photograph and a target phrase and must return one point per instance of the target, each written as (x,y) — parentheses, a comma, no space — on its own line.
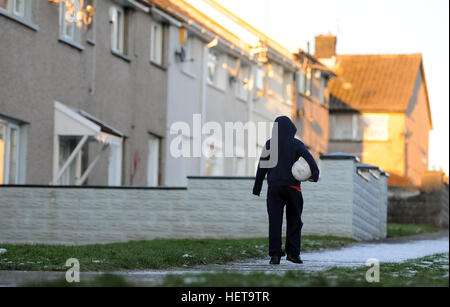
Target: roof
(186,12)
(375,82)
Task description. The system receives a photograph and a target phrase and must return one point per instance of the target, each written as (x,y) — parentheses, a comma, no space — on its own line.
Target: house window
(69,32)
(374,127)
(19,10)
(344,127)
(118,23)
(322,86)
(216,71)
(308,82)
(157,43)
(357,127)
(189,61)
(9,152)
(214,164)
(259,84)
(301,82)
(90,28)
(66,147)
(115,162)
(15,7)
(153,168)
(287,80)
(243,82)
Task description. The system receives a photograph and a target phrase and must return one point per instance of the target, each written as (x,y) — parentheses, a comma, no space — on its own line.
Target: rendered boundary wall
(342,203)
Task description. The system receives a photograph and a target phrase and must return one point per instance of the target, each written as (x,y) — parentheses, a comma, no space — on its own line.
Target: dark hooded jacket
(290,150)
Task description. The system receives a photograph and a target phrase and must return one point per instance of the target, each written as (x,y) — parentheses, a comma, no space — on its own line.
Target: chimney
(325,46)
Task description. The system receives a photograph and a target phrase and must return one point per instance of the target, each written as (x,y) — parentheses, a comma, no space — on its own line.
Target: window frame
(7,152)
(301,82)
(385,132)
(220,74)
(154,163)
(157,43)
(354,127)
(17,13)
(90,31)
(24,18)
(118,43)
(73,40)
(287,87)
(188,66)
(308,83)
(242,88)
(63,24)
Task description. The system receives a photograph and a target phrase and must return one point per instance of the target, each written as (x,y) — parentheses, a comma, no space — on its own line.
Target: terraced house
(380,110)
(92,101)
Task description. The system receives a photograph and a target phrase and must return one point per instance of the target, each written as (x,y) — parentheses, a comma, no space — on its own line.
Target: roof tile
(374,82)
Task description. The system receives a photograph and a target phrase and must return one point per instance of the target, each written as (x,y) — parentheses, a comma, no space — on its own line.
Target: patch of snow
(190,280)
(350,256)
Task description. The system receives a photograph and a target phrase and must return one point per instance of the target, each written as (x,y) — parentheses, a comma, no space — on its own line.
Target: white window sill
(121,55)
(345,140)
(187,73)
(288,102)
(244,100)
(160,66)
(19,19)
(71,43)
(156,63)
(222,90)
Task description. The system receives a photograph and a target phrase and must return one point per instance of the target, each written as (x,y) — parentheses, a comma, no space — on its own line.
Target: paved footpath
(354,255)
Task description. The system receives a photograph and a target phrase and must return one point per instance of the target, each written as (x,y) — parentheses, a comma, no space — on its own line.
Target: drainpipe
(203,102)
(204,77)
(251,161)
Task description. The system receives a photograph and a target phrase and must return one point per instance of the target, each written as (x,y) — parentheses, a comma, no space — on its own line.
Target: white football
(301,170)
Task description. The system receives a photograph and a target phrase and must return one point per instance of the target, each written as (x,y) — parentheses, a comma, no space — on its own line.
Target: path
(354,255)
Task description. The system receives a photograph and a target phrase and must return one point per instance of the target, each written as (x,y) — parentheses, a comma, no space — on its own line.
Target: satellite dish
(301,170)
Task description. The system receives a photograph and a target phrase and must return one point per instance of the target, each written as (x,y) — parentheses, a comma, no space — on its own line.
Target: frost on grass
(191,280)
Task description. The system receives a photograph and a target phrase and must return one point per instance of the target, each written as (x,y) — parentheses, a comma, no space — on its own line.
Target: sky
(368,27)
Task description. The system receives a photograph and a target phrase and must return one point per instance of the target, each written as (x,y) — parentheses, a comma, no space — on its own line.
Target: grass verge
(144,255)
(402,230)
(429,271)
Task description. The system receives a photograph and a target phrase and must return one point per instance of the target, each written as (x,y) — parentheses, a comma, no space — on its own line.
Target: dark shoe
(275,260)
(294,259)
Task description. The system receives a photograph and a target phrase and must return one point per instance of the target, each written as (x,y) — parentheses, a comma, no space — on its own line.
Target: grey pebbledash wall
(342,203)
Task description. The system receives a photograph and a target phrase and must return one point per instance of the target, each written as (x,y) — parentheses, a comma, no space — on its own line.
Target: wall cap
(221,177)
(368,166)
(90,187)
(339,156)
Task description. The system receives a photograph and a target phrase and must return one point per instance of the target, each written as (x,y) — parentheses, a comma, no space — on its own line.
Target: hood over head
(286,127)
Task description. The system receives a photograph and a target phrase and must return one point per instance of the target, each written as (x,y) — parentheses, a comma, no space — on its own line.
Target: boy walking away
(284,189)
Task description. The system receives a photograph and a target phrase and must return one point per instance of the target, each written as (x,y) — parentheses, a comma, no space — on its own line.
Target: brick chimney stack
(325,46)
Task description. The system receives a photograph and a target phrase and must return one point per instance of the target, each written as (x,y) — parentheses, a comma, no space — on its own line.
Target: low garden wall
(419,207)
(349,200)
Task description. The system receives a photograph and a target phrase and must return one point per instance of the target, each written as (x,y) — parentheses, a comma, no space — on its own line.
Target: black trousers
(277,198)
